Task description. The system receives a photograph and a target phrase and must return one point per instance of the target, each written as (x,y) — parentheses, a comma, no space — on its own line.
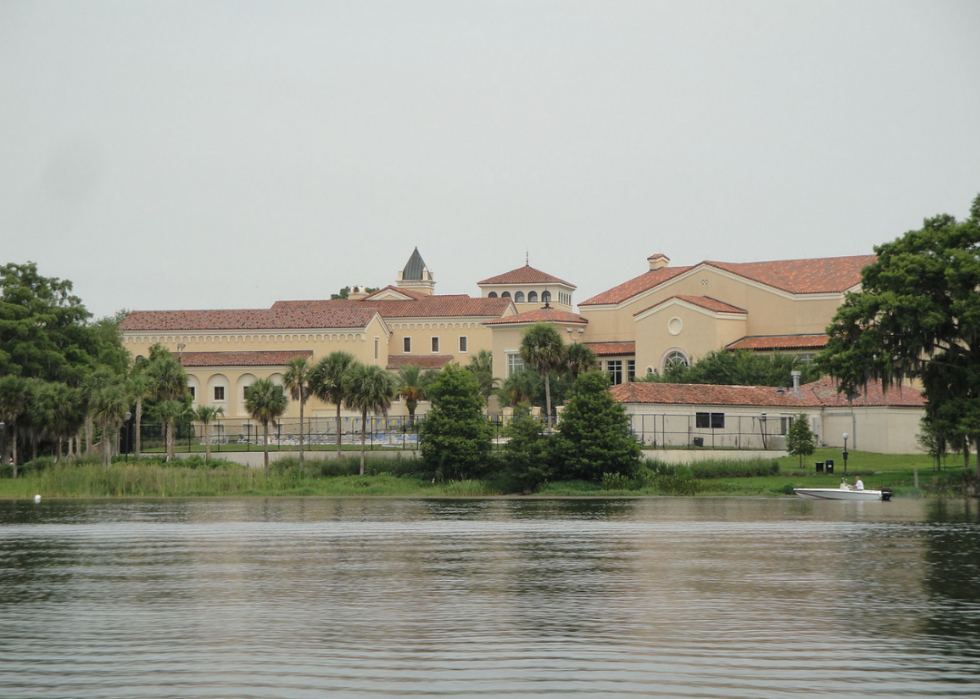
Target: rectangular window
(435,344)
(784,424)
(191,390)
(715,421)
(407,345)
(245,393)
(514,363)
(630,369)
(614,367)
(219,392)
(462,343)
(375,348)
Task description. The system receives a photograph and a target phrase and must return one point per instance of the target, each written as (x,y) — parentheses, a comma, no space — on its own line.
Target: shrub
(594,433)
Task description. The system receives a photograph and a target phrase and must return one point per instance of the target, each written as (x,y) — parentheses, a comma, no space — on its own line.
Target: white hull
(838,494)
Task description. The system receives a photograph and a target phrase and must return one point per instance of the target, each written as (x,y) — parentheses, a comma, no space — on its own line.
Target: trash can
(830,465)
(820,467)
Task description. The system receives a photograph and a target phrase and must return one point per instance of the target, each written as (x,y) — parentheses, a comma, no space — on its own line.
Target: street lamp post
(844,455)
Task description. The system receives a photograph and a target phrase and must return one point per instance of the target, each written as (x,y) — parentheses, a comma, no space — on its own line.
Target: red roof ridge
(701,301)
(541,315)
(525,275)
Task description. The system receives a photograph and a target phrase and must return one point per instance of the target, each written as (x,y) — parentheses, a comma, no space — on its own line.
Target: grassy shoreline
(88,479)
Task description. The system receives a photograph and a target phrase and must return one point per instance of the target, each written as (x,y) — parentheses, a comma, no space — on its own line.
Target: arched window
(532,297)
(492,295)
(675,358)
(519,297)
(505,295)
(545,297)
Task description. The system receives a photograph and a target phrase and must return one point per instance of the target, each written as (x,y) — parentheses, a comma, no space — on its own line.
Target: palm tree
(265,401)
(327,381)
(35,413)
(579,359)
(481,366)
(297,381)
(101,378)
(520,387)
(543,350)
(411,384)
(368,389)
(13,404)
(140,388)
(206,414)
(169,412)
(65,413)
(108,409)
(169,384)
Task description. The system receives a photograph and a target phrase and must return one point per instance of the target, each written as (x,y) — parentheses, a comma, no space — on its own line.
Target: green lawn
(219,478)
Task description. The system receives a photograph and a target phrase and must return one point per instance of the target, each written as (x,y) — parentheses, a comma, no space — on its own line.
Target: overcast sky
(167,155)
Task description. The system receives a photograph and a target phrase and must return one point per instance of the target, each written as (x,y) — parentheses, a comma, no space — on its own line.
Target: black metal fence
(664,430)
(712,430)
(319,433)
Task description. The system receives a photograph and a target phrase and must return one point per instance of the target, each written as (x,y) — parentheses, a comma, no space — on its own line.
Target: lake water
(662,597)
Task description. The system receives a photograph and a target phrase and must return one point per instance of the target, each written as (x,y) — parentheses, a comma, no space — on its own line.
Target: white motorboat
(850,494)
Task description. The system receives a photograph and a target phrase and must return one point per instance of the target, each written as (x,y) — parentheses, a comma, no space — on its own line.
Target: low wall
(690,456)
(255,459)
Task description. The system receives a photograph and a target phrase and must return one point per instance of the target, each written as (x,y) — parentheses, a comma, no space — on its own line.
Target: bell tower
(416,276)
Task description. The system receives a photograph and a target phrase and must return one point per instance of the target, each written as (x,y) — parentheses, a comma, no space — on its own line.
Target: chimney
(796,382)
(658,261)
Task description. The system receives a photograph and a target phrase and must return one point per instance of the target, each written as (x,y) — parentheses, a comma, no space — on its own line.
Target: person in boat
(844,485)
(858,484)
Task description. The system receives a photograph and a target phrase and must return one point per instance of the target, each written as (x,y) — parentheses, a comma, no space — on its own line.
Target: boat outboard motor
(886,494)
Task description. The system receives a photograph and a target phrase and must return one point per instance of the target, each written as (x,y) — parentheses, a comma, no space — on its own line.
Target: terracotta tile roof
(609,349)
(824,392)
(821,393)
(525,275)
(410,293)
(425,307)
(705,302)
(205,359)
(778,342)
(422,361)
(635,286)
(816,276)
(813,276)
(658,256)
(541,315)
(705,394)
(275,318)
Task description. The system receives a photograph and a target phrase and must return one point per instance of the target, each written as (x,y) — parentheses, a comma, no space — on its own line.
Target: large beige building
(667,314)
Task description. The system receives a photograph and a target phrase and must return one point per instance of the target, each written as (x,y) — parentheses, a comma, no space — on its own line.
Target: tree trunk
(207,441)
(139,422)
(301,401)
(363,437)
(169,441)
(13,451)
(105,445)
(57,459)
(265,445)
(89,432)
(547,401)
(338,428)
